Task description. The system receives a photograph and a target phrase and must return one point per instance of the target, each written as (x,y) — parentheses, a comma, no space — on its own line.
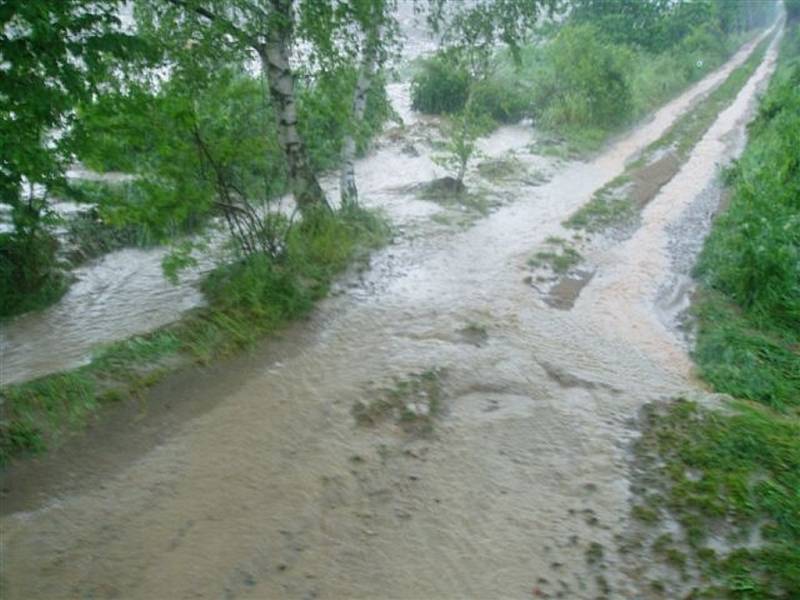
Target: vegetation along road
(377,299)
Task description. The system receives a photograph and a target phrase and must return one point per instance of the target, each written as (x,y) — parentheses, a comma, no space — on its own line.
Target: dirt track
(271,490)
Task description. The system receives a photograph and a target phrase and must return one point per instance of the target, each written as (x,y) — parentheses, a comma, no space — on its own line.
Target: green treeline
(608,65)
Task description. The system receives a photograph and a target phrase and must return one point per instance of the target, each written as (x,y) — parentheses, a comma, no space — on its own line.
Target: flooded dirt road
(274,491)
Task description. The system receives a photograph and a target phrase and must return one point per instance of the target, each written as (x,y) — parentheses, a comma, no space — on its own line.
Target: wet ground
(253,479)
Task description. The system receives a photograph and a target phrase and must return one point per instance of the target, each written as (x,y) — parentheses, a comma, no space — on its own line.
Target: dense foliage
(655,25)
(55,53)
(202,134)
(440,86)
(583,81)
(750,265)
(610,63)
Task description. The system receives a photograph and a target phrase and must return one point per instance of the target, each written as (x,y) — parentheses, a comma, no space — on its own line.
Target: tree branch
(226,24)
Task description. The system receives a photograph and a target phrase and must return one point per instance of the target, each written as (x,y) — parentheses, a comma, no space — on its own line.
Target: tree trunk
(274,57)
(347,180)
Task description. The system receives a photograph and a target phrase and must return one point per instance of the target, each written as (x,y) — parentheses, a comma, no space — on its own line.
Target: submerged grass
(617,203)
(732,482)
(247,300)
(412,403)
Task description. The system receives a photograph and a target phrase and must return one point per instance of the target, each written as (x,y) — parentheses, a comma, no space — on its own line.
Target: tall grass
(749,342)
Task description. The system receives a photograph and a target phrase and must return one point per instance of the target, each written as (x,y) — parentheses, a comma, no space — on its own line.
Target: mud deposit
(521,487)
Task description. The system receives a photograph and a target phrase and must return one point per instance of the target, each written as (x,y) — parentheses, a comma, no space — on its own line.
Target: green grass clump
(609,207)
(745,478)
(742,358)
(560,261)
(412,403)
(247,300)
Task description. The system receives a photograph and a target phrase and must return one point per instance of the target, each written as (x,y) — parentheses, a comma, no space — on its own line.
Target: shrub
(503,99)
(582,82)
(30,277)
(439,86)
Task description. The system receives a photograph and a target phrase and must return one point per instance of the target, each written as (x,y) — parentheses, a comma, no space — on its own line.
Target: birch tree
(376,27)
(355,32)
(266,30)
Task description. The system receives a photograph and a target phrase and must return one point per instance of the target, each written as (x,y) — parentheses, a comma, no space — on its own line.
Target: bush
(30,277)
(439,86)
(582,81)
(504,99)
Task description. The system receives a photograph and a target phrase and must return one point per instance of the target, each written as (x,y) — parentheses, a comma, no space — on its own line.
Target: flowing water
(273,491)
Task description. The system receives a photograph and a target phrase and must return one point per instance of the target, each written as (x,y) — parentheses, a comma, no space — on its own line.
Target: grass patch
(561,259)
(744,358)
(502,169)
(727,479)
(609,207)
(452,194)
(411,403)
(247,300)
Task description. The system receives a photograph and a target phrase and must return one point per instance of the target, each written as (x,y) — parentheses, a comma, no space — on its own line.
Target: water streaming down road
(275,492)
(125,292)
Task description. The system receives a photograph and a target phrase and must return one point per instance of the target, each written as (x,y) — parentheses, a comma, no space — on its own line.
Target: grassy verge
(247,300)
(731,482)
(618,203)
(729,477)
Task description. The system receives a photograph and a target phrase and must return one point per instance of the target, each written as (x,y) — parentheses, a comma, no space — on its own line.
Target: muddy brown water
(262,486)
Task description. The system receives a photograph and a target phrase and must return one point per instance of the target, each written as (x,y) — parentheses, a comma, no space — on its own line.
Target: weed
(412,403)
(560,260)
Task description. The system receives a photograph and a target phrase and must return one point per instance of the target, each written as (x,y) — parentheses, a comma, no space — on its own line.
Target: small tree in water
(462,132)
